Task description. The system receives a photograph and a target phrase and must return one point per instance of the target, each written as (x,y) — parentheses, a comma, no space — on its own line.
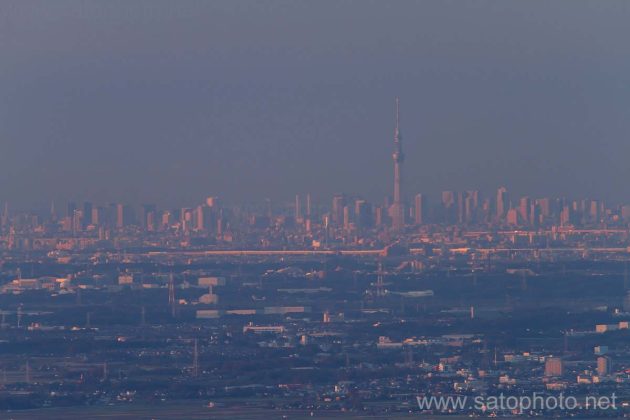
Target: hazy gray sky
(170,101)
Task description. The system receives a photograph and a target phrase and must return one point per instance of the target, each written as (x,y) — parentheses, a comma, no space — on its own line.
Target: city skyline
(288,202)
(347,211)
(243,110)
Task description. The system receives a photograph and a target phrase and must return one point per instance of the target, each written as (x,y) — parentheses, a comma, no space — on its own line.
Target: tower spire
(397,212)
(397,132)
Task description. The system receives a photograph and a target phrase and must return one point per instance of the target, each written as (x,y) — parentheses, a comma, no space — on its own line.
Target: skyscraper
(449,211)
(149,212)
(120,216)
(503,203)
(70,208)
(307,223)
(363,214)
(419,210)
(471,205)
(339,201)
(397,213)
(524,209)
(298,209)
(87,214)
(4,220)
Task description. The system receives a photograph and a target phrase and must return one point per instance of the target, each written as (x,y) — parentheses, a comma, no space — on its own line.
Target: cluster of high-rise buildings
(396,215)
(88,216)
(347,212)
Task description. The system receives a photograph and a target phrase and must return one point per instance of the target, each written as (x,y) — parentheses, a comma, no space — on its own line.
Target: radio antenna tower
(195,371)
(171,293)
(380,285)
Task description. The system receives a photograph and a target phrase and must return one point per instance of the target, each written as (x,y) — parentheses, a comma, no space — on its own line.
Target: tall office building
(97,215)
(534,214)
(449,211)
(124,215)
(339,202)
(593,211)
(397,211)
(70,208)
(307,222)
(199,218)
(544,205)
(53,212)
(503,203)
(346,217)
(418,215)
(512,217)
(120,216)
(471,203)
(524,209)
(186,218)
(362,214)
(77,221)
(378,216)
(166,219)
(149,214)
(4,220)
(486,211)
(565,215)
(87,214)
(298,208)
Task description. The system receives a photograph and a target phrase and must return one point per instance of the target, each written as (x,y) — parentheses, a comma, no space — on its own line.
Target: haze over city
(286,209)
(168,102)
